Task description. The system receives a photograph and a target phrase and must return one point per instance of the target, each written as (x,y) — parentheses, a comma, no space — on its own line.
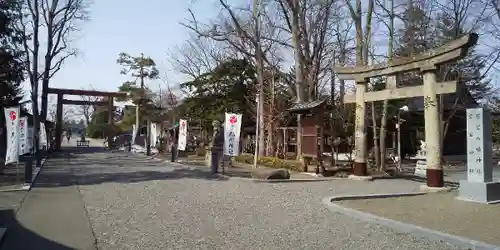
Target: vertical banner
(134,133)
(23,136)
(42,134)
(30,139)
(232,130)
(153,135)
(182,141)
(12,127)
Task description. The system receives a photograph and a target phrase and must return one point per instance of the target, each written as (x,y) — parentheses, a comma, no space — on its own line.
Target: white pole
(256,154)
(256,16)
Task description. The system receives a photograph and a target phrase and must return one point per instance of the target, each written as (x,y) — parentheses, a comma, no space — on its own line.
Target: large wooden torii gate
(61,101)
(427,64)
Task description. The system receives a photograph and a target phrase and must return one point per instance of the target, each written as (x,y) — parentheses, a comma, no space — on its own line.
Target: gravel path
(138,203)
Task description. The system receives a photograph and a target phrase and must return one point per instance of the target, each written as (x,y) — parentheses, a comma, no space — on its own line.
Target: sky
(151,27)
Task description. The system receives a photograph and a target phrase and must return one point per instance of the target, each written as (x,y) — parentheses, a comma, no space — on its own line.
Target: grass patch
(270,162)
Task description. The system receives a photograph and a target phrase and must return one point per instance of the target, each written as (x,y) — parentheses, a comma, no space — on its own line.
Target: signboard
(154,135)
(182,141)
(23,136)
(479,148)
(12,127)
(232,129)
(134,133)
(30,139)
(42,134)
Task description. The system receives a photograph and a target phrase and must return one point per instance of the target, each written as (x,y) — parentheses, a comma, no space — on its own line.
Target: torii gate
(61,101)
(426,63)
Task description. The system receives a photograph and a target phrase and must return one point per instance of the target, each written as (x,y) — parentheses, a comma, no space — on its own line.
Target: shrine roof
(306,105)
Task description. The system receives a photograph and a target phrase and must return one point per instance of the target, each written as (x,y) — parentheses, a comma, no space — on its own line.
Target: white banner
(154,135)
(134,133)
(12,126)
(182,141)
(23,136)
(232,130)
(43,136)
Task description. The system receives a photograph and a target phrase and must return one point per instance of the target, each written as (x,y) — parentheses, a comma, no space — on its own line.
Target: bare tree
(60,19)
(199,55)
(67,115)
(387,17)
(88,108)
(242,29)
(27,25)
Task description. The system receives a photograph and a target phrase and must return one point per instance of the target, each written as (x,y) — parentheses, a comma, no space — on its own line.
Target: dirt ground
(438,211)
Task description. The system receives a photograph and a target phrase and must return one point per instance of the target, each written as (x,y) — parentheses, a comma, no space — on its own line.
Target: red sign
(233,119)
(13,115)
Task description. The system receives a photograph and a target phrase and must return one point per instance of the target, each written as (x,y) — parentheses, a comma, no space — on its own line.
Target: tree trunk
(375,137)
(389,84)
(260,120)
(333,115)
(383,134)
(47,66)
(270,145)
(299,83)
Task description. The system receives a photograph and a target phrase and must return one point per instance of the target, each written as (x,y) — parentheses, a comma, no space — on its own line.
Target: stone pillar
(359,168)
(434,171)
(59,121)
(110,121)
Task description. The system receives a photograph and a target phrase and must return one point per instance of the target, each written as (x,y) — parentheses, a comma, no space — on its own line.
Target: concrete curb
(28,186)
(402,227)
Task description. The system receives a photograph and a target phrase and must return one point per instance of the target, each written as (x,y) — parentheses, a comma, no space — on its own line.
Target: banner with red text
(12,126)
(182,141)
(232,130)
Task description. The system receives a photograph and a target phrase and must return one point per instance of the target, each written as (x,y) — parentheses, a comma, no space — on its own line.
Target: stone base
(360,178)
(425,188)
(421,169)
(481,192)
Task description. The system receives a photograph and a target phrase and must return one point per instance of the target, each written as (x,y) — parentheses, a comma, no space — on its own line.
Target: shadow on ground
(73,167)
(68,179)
(21,238)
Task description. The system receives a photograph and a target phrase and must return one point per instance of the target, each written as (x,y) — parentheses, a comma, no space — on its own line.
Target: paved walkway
(116,200)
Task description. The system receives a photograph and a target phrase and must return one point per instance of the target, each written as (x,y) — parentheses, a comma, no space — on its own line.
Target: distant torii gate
(61,101)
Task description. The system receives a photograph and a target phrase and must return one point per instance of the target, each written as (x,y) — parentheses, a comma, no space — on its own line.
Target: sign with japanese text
(154,134)
(42,134)
(182,141)
(30,139)
(12,128)
(232,130)
(479,145)
(134,133)
(23,136)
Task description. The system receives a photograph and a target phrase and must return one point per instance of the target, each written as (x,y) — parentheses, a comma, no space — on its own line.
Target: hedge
(270,162)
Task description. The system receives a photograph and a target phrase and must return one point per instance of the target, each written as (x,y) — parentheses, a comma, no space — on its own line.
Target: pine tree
(474,84)
(11,66)
(417,35)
